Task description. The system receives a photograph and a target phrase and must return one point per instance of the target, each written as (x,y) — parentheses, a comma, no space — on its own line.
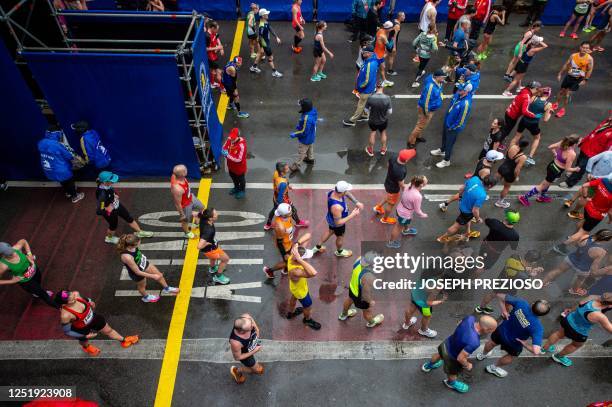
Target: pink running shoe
(303,224)
(562,34)
(544,199)
(574,36)
(524,201)
(560,113)
(267,226)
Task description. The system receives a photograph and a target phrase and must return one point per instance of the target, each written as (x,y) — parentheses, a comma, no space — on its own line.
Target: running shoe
(343,253)
(312,323)
(507,93)
(581,292)
(129,341)
(354,92)
(560,113)
(379,210)
(50,293)
(369,151)
(416,59)
(550,349)
(442,239)
(508,78)
(79,196)
(483,310)
(443,207)
(562,34)
(575,215)
(429,333)
(319,249)
(363,118)
(268,271)
(277,74)
(171,290)
(144,233)
(409,232)
(524,201)
(554,106)
(295,313)
(348,123)
(443,164)
(91,350)
(437,153)
(574,36)
(483,356)
(568,204)
(457,386)
(237,375)
(315,78)
(388,221)
(150,298)
(544,199)
(588,29)
(383,151)
(496,370)
(391,73)
(267,226)
(350,313)
(530,160)
(253,55)
(243,115)
(296,50)
(502,203)
(387,84)
(111,239)
(213,269)
(232,191)
(239,195)
(394,244)
(221,279)
(428,367)
(255,69)
(412,321)
(377,320)
(322,75)
(189,235)
(302,224)
(415,84)
(563,360)
(3,187)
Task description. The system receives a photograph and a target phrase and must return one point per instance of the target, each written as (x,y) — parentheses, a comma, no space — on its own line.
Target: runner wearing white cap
(337,217)
(284,228)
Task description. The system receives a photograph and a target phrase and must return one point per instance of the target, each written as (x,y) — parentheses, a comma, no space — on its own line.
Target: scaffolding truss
(181,49)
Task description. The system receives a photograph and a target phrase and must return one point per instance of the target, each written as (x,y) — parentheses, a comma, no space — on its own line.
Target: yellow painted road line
(224,100)
(167,377)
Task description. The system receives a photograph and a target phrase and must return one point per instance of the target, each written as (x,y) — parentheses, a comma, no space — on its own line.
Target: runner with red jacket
(456,8)
(598,141)
(483,10)
(235,153)
(518,108)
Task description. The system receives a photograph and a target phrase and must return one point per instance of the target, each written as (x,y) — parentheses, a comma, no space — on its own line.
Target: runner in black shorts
(464,218)
(111,209)
(360,292)
(244,343)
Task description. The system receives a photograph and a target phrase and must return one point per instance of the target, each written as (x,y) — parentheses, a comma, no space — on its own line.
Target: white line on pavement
(220,292)
(216,350)
(266,185)
(201,262)
(487,97)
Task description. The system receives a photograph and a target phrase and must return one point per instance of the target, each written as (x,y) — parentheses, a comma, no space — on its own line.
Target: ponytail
(569,141)
(126,241)
(417,181)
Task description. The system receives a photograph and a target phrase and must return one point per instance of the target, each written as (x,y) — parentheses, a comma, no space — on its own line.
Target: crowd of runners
(501,160)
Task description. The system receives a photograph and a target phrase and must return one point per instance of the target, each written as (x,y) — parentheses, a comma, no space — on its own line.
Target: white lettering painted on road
(218,292)
(249,218)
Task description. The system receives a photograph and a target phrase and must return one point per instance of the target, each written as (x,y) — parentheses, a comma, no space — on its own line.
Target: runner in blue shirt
(473,197)
(456,349)
(520,324)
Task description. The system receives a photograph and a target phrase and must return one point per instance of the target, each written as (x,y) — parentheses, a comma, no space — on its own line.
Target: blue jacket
(93,150)
(458,112)
(474,78)
(431,95)
(358,9)
(55,158)
(306,129)
(366,79)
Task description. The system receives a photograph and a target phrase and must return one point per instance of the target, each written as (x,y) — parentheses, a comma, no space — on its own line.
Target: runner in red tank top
(297,21)
(80,321)
(214,48)
(184,201)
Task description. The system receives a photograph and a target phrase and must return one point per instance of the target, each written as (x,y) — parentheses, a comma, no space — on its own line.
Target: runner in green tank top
(23,270)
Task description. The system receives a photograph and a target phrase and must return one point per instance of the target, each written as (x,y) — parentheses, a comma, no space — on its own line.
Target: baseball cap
(283,209)
(237,60)
(234,134)
(466,87)
(343,186)
(308,253)
(305,105)
(368,258)
(439,72)
(6,249)
(263,12)
(534,85)
(512,216)
(494,155)
(369,48)
(107,176)
(472,67)
(407,155)
(388,25)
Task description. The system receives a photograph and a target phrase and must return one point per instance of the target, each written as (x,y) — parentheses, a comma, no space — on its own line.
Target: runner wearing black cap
(230,82)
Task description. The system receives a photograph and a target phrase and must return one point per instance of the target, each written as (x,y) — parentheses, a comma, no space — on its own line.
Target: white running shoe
(483,356)
(387,84)
(111,239)
(443,164)
(507,94)
(429,333)
(437,153)
(255,69)
(497,371)
(277,74)
(502,203)
(413,321)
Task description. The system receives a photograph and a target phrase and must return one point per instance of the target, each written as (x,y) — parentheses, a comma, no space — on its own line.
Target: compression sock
(534,191)
(543,192)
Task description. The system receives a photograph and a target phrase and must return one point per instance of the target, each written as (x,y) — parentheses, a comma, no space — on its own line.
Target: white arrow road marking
(444,197)
(249,218)
(179,245)
(219,292)
(201,262)
(219,235)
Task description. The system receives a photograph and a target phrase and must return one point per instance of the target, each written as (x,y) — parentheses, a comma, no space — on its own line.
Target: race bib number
(30,272)
(88,317)
(254,342)
(116,202)
(290,232)
(142,264)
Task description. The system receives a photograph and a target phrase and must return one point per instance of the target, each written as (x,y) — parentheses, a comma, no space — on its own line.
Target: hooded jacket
(236,154)
(458,112)
(55,159)
(366,79)
(93,150)
(306,129)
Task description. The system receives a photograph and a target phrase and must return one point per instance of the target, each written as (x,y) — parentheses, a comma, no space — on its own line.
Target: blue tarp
(135,102)
(200,65)
(21,124)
